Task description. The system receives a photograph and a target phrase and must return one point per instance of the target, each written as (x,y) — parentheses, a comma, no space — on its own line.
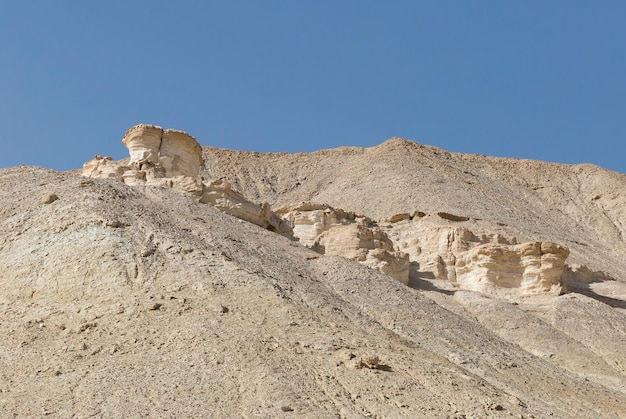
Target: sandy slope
(141,302)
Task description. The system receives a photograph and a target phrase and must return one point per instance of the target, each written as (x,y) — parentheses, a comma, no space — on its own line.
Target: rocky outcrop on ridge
(170,152)
(489,263)
(172,159)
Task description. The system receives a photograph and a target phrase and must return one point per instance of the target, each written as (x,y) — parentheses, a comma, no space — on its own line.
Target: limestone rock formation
(220,194)
(175,152)
(333,231)
(528,268)
(309,220)
(490,263)
(103,167)
(368,245)
(172,159)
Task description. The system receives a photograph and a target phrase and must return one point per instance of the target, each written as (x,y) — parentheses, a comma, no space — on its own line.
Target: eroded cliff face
(171,152)
(490,263)
(527,268)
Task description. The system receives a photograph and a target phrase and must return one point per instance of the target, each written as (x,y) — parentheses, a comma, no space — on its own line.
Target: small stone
(286,408)
(49,198)
(115,224)
(155,306)
(370,362)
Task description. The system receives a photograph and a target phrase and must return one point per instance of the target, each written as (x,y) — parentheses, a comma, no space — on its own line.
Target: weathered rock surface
(527,268)
(172,159)
(332,231)
(175,153)
(368,245)
(220,195)
(103,167)
(309,220)
(491,263)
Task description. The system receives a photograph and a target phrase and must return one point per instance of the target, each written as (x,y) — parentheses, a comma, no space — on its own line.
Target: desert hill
(580,206)
(160,287)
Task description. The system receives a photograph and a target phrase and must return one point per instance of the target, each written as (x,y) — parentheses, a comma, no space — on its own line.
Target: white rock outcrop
(176,153)
(173,159)
(493,264)
(528,268)
(333,231)
(368,245)
(102,168)
(310,220)
(220,194)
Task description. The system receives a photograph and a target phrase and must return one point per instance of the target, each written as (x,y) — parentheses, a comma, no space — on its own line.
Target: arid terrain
(394,281)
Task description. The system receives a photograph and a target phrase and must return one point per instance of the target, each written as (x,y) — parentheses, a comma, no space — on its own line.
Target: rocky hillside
(394,281)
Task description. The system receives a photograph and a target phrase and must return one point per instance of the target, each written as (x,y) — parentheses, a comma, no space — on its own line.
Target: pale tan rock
(490,263)
(333,231)
(191,185)
(309,220)
(220,195)
(103,167)
(177,152)
(172,159)
(528,268)
(49,198)
(143,142)
(180,154)
(134,177)
(368,245)
(399,217)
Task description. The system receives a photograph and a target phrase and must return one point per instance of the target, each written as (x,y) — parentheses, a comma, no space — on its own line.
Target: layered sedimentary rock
(489,263)
(309,220)
(220,194)
(176,152)
(405,246)
(529,268)
(172,159)
(333,231)
(368,245)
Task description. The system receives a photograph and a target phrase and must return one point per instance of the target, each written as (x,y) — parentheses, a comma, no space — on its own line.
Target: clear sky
(529,79)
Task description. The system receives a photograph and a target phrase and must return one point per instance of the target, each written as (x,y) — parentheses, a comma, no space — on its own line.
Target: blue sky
(528,79)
